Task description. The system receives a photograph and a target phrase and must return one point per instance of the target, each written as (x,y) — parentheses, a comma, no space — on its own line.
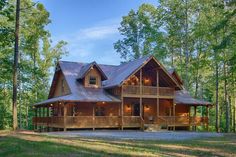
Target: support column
(195,114)
(158,105)
(48,121)
(36,119)
(207,114)
(94,116)
(122,108)
(40,115)
(174,115)
(140,98)
(64,115)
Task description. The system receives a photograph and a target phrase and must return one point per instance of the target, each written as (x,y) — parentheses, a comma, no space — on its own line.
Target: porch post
(122,108)
(140,98)
(158,106)
(94,116)
(40,127)
(174,115)
(64,114)
(48,118)
(207,114)
(36,119)
(195,114)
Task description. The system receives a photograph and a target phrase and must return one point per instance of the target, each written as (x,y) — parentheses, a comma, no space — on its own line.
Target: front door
(136,110)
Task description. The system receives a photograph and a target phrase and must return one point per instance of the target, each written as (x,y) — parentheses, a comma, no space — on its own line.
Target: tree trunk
(234,114)
(15,66)
(226,98)
(217,94)
(186,81)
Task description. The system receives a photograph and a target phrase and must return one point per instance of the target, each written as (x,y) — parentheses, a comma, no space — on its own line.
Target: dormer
(92,75)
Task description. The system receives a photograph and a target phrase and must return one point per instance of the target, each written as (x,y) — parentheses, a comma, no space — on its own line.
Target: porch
(87,115)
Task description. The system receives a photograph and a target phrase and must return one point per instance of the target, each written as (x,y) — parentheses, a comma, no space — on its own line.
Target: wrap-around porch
(129,114)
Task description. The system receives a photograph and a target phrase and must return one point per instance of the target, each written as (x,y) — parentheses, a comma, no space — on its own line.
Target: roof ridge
(88,63)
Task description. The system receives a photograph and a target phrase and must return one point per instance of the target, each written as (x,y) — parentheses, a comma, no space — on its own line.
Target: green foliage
(36,60)
(197,38)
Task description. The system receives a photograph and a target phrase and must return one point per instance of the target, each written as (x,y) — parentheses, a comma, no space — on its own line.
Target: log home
(138,94)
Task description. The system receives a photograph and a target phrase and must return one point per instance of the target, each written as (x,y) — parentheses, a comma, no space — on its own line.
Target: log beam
(94,116)
(64,115)
(140,98)
(122,108)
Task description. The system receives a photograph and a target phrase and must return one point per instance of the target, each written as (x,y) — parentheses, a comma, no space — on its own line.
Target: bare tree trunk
(217,94)
(226,98)
(15,66)
(234,115)
(186,46)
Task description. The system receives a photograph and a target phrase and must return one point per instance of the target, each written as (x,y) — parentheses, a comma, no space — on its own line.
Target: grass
(23,144)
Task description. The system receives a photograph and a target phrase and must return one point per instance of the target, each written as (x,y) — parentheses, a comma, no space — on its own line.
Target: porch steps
(153,127)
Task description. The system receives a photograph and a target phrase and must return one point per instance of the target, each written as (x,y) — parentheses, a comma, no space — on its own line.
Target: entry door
(136,109)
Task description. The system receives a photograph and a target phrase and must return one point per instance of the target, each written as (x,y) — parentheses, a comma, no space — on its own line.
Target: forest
(36,61)
(196,37)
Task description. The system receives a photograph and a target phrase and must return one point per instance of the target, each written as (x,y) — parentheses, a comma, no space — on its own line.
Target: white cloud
(93,43)
(98,32)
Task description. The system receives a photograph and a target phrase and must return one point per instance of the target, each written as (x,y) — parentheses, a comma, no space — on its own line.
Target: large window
(92,80)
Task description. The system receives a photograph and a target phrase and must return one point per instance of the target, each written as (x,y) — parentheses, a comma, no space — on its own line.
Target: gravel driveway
(136,135)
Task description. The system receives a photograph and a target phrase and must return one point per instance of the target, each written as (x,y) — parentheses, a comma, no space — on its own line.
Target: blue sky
(89,26)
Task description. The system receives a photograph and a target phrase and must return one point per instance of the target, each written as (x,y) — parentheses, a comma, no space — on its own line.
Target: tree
(37,56)
(15,66)
(198,40)
(141,33)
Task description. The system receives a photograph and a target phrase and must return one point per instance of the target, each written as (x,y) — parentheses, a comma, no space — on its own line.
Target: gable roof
(86,68)
(174,73)
(123,71)
(115,76)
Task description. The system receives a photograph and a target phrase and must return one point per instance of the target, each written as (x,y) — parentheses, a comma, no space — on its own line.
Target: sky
(90,27)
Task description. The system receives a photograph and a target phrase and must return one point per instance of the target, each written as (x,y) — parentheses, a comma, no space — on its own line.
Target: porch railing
(115,121)
(132,121)
(147,91)
(181,120)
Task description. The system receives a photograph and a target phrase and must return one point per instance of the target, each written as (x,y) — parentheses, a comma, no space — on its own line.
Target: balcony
(147,91)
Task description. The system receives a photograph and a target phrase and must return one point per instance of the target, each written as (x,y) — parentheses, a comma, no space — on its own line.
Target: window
(92,80)
(99,111)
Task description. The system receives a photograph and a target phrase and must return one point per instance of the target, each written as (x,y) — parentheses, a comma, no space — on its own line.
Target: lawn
(23,144)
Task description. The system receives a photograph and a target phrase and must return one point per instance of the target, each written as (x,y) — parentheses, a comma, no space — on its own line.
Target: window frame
(94,79)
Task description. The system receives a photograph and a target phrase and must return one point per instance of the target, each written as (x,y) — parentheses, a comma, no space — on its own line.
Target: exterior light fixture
(147,107)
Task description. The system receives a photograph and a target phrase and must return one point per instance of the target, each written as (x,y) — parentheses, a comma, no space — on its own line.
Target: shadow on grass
(38,145)
(12,146)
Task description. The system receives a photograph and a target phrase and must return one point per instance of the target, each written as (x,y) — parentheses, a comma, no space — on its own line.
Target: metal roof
(183,97)
(115,76)
(85,68)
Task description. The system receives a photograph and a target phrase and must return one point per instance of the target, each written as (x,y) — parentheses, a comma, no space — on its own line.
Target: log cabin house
(138,94)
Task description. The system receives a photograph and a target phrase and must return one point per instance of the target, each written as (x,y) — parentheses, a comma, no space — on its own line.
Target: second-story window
(92,80)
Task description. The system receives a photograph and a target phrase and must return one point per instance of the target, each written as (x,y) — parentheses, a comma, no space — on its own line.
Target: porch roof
(93,95)
(183,97)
